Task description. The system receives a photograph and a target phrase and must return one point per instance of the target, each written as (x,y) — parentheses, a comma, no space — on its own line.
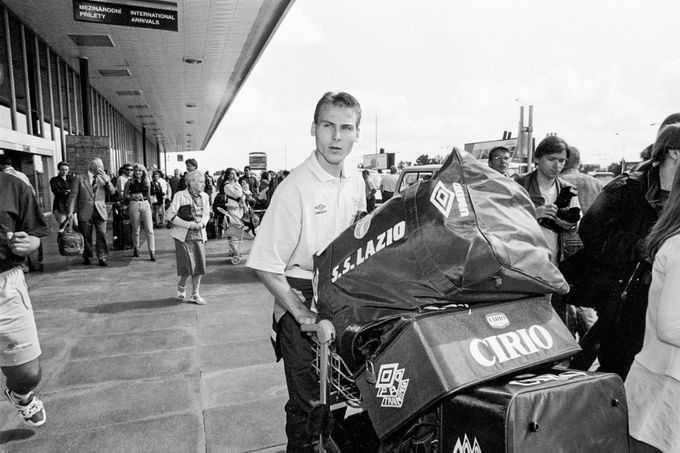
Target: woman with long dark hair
(653,383)
(138,195)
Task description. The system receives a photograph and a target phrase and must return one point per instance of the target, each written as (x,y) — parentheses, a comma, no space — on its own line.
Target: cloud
(299,29)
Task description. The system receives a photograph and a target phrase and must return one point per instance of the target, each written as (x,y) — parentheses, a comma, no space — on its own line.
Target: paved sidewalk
(127,367)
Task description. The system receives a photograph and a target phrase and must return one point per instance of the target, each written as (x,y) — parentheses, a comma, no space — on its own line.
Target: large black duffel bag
(467,235)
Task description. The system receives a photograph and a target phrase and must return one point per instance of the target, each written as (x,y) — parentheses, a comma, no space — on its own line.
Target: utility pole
(525,135)
(376,140)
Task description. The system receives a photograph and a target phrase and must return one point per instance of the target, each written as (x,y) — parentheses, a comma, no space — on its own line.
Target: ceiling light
(91,40)
(114,73)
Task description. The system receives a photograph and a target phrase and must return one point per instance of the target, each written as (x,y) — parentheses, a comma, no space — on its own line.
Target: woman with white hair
(189,214)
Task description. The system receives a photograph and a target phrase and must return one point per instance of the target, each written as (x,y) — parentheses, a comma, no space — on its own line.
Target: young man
(317,201)
(21,226)
(544,185)
(499,159)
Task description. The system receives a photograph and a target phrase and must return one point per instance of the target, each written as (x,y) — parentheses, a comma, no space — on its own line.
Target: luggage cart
(532,410)
(241,236)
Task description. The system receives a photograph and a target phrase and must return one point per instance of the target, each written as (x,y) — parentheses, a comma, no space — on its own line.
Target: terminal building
(124,81)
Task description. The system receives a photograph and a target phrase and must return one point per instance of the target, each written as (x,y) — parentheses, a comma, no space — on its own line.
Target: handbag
(70,241)
(185,212)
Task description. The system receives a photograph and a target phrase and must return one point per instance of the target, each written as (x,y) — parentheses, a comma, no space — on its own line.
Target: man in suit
(88,199)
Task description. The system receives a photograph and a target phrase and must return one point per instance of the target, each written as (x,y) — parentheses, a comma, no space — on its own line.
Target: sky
(435,74)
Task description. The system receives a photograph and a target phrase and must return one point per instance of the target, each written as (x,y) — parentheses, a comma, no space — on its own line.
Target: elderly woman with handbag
(189,214)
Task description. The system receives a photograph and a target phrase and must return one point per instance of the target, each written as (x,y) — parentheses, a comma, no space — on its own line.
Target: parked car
(411,175)
(603,176)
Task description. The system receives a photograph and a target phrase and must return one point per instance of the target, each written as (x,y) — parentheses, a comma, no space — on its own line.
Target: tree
(423,159)
(615,168)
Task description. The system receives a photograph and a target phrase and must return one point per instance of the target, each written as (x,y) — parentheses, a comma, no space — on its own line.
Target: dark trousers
(386,195)
(99,225)
(370,204)
(303,385)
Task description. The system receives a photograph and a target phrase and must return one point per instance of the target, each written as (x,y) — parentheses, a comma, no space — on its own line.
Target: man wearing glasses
(122,179)
(499,159)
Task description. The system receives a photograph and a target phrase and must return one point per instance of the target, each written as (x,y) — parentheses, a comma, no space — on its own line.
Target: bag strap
(638,267)
(424,258)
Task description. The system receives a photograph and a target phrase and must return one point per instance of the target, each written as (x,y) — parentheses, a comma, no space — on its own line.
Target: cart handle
(325,332)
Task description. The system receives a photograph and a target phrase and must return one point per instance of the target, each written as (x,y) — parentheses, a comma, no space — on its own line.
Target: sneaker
(198,300)
(32,412)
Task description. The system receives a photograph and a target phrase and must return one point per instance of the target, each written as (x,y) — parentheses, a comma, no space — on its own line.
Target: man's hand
(547,211)
(105,179)
(74,217)
(305,317)
(21,243)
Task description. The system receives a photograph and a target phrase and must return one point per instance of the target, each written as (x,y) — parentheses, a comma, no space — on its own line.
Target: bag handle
(66,225)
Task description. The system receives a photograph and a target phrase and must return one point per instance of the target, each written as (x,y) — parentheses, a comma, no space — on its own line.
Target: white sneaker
(32,412)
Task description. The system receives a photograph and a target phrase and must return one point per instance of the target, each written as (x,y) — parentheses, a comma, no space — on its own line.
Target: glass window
(44,81)
(17,61)
(5,92)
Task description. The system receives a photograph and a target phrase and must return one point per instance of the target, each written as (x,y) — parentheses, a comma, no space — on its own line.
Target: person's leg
(161,214)
(102,246)
(196,286)
(301,382)
(19,347)
(135,219)
(148,228)
(182,286)
(85,227)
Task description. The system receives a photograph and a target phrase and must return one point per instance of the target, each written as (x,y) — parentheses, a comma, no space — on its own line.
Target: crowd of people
(618,246)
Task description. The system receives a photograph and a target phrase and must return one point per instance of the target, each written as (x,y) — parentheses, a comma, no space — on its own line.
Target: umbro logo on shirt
(320,209)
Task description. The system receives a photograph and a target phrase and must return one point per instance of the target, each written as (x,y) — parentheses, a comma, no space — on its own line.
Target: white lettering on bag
(510,345)
(370,248)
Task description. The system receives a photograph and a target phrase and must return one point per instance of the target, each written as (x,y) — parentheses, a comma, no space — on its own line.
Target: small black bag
(185,213)
(70,241)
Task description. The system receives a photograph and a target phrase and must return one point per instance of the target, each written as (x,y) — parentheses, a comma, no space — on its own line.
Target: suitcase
(558,411)
(122,234)
(440,353)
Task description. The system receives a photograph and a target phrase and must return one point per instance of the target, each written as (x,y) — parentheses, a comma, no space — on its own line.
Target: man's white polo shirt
(309,209)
